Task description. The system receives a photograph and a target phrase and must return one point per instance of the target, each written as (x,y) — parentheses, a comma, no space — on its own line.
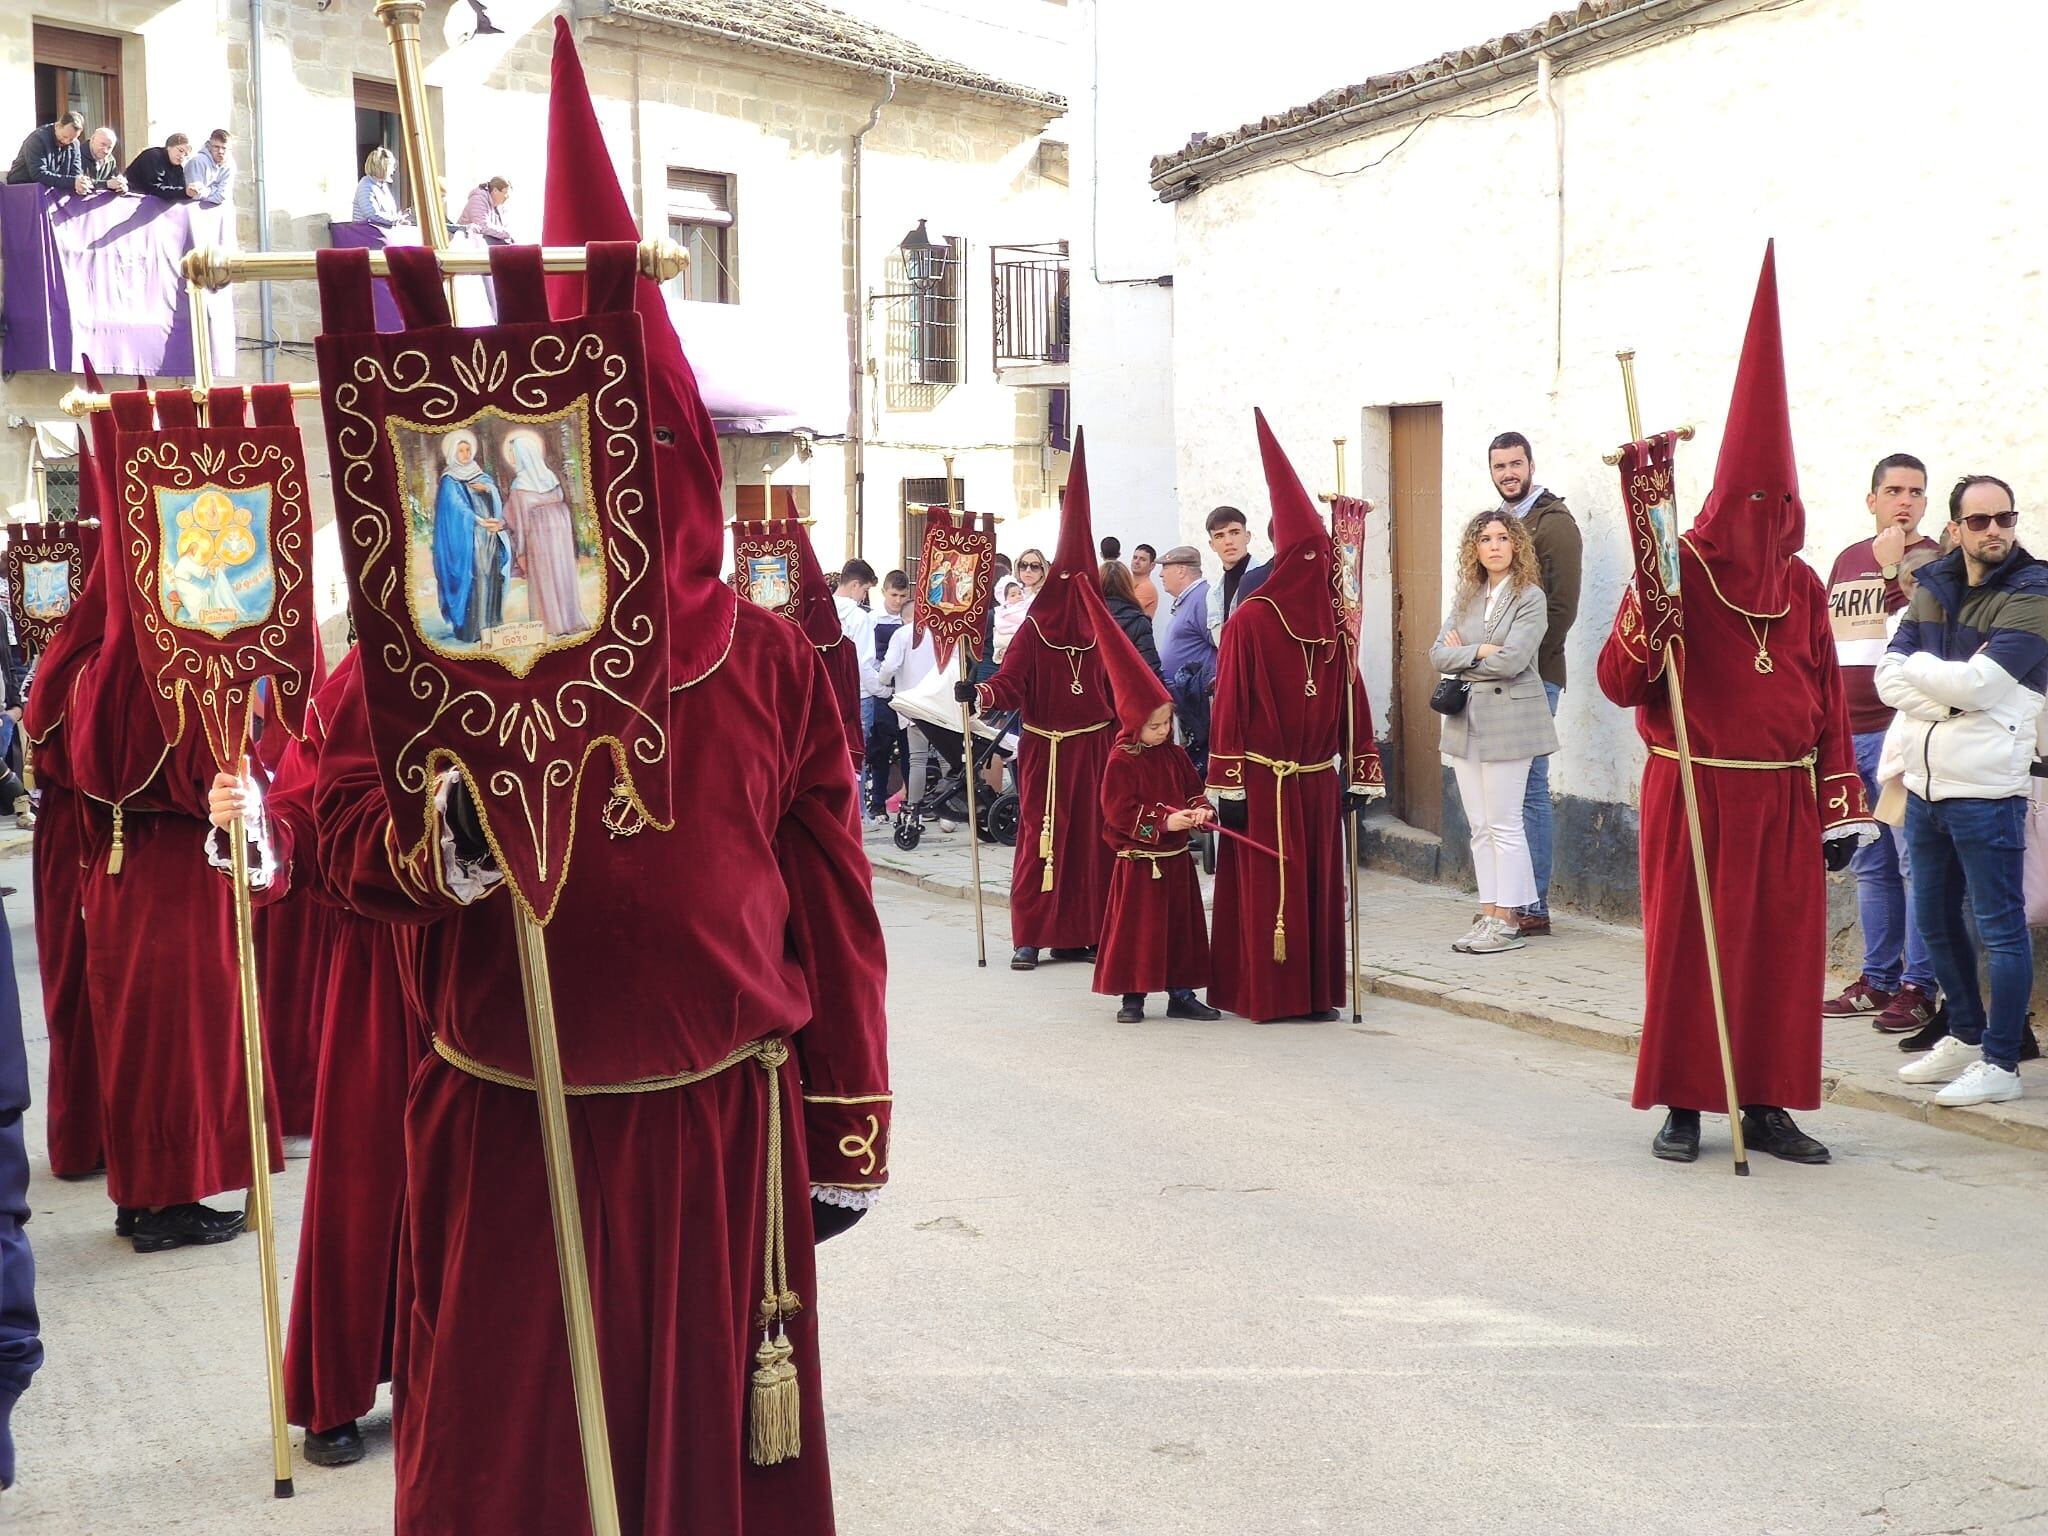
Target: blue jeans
(1536,819)
(1884,896)
(1978,847)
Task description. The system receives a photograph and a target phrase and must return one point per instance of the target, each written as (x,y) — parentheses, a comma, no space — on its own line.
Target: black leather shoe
(1928,1036)
(1024,958)
(176,1226)
(341,1446)
(1766,1128)
(124,1220)
(1185,1005)
(1073,954)
(1133,1010)
(1679,1140)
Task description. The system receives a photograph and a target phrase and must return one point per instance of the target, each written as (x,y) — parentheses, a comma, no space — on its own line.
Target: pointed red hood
(817,614)
(1753,523)
(78,639)
(1303,585)
(584,202)
(1134,686)
(1057,610)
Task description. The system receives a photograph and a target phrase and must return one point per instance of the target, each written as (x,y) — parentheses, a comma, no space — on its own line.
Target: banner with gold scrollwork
(956,578)
(213,545)
(1652,617)
(768,565)
(1347,531)
(495,493)
(47,564)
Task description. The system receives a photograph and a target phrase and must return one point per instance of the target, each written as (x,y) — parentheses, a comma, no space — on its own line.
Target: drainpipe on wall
(265,326)
(856,424)
(1548,97)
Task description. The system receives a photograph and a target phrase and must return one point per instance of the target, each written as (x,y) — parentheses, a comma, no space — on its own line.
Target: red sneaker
(1910,1009)
(1860,1000)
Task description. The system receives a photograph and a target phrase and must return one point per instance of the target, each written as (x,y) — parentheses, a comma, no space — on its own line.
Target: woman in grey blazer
(1489,642)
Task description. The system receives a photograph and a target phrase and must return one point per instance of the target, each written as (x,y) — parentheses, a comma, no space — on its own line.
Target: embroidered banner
(47,564)
(494,490)
(1347,529)
(214,539)
(768,565)
(956,578)
(1652,617)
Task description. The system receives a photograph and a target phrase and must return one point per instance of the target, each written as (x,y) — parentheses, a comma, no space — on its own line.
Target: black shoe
(1073,954)
(1766,1128)
(1182,1004)
(341,1446)
(2030,1048)
(1133,1010)
(1024,958)
(1926,1039)
(124,1219)
(175,1226)
(1679,1140)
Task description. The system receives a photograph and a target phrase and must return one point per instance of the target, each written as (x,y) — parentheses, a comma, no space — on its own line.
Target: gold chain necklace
(1074,666)
(1308,666)
(1763,663)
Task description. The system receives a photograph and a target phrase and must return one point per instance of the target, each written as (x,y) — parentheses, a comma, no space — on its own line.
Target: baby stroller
(931,708)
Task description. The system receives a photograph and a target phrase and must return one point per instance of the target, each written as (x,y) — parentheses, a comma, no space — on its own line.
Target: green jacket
(1560,553)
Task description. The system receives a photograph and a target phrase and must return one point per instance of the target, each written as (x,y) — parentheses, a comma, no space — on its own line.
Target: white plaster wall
(1871,137)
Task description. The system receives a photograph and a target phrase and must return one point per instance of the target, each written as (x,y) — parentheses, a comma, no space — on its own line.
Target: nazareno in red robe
(1155,935)
(1063,749)
(344,1303)
(72,1101)
(160,967)
(1762,828)
(656,972)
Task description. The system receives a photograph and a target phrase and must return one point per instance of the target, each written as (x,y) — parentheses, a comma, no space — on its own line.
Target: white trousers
(1492,793)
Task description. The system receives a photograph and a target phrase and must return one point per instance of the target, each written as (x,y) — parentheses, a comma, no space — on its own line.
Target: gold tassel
(114,853)
(775,1429)
(1155,869)
(1280,942)
(1045,884)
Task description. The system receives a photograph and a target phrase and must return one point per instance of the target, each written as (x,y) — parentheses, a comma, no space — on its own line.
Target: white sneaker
(948,827)
(1981,1083)
(1476,931)
(877,823)
(1943,1064)
(1498,939)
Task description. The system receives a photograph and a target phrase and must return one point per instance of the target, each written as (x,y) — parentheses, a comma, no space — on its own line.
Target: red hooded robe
(818,617)
(1764,702)
(1155,935)
(1052,672)
(656,972)
(1291,730)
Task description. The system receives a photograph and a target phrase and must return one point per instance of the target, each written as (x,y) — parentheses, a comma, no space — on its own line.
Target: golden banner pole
(1689,792)
(401,20)
(261,1214)
(1350,747)
(967,761)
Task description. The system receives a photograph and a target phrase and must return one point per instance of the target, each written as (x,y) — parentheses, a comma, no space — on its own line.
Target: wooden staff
(1350,751)
(967,756)
(261,1213)
(1689,792)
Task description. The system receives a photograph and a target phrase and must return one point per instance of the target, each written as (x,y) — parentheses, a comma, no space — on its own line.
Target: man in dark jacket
(21,1349)
(1512,465)
(159,171)
(51,156)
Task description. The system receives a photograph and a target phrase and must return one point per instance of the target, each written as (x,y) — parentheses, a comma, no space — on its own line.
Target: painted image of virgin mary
(543,537)
(471,556)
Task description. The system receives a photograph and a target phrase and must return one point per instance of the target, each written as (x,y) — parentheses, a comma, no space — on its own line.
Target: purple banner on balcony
(474,302)
(99,277)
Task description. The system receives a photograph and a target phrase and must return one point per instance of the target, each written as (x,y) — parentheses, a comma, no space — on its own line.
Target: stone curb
(1574,1027)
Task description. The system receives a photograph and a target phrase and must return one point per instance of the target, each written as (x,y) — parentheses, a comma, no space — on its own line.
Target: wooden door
(1418,546)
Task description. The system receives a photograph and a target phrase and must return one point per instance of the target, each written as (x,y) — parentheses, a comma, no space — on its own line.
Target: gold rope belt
(774,1420)
(1283,770)
(1052,789)
(1807,762)
(1151,856)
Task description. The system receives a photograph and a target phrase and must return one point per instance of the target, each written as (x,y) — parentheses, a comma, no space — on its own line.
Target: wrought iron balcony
(1031,306)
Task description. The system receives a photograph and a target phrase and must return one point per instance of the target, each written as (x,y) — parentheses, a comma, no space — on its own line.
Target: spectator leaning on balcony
(375,202)
(101,168)
(51,156)
(210,175)
(159,170)
(483,214)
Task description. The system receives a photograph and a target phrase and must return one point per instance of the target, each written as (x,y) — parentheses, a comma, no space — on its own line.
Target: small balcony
(1031,310)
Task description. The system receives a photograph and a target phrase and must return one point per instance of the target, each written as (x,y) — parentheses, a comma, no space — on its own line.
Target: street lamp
(924,259)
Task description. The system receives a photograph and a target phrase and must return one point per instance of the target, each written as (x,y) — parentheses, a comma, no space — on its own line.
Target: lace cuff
(262,857)
(846,1199)
(468,881)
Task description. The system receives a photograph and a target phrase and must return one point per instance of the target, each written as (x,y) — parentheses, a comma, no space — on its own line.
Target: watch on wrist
(1890,572)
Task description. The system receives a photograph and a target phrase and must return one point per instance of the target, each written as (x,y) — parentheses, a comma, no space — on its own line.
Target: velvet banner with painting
(214,548)
(955,581)
(46,569)
(495,497)
(1652,616)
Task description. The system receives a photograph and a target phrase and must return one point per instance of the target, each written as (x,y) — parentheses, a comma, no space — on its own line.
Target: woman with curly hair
(1489,645)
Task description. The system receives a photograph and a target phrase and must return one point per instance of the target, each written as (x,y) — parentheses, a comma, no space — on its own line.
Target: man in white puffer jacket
(1967,671)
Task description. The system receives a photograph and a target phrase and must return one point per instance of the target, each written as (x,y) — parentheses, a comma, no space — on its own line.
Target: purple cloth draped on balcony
(99,277)
(474,302)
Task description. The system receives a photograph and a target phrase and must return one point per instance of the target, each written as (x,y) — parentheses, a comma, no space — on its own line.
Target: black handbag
(1450,696)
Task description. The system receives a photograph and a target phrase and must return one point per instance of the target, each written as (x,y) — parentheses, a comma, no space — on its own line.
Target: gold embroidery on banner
(621,819)
(857,1145)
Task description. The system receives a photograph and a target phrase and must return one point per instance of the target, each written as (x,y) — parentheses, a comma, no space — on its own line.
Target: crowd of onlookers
(64,157)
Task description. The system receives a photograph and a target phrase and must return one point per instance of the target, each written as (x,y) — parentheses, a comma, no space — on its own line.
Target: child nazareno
(1155,935)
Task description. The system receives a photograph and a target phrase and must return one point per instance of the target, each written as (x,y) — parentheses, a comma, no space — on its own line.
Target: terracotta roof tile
(800,26)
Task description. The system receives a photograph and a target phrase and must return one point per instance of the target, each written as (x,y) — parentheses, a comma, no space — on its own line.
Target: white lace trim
(846,1199)
(467,882)
(262,860)
(1867,832)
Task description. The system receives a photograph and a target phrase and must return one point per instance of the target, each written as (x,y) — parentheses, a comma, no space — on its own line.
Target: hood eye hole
(664,436)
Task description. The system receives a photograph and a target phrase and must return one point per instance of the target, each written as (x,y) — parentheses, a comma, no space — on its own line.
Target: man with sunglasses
(1966,671)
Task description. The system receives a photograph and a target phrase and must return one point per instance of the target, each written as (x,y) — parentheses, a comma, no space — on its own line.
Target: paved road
(1419,1275)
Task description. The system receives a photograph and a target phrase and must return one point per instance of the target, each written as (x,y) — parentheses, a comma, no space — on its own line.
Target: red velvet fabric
(1762,831)
(784,942)
(71,1102)
(1155,934)
(1040,678)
